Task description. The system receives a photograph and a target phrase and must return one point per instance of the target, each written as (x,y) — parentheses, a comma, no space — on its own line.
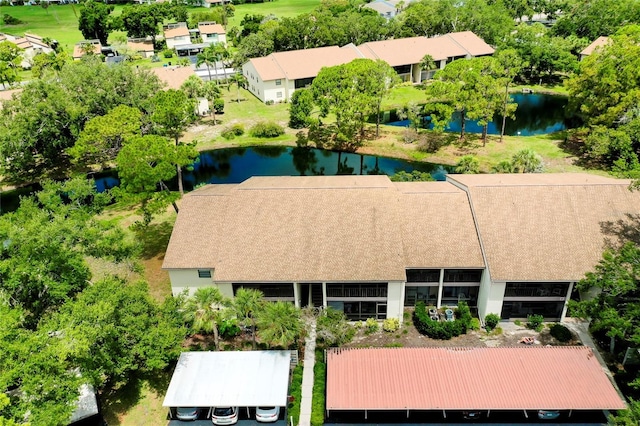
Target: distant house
(142,46)
(277,76)
(87,46)
(597,43)
(210,32)
(209,3)
(387,8)
(29,44)
(174,78)
(177,34)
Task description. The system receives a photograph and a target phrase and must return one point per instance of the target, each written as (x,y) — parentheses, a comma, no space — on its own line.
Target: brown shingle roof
(173,76)
(329,228)
(404,51)
(599,42)
(555,378)
(139,45)
(548,227)
(78,50)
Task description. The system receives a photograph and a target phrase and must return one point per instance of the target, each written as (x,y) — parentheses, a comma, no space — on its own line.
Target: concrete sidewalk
(307,375)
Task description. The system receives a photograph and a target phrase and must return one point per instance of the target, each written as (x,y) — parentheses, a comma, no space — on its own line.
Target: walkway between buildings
(307,374)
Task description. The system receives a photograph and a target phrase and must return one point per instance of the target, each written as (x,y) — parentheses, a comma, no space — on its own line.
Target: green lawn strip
(279,8)
(319,386)
(295,390)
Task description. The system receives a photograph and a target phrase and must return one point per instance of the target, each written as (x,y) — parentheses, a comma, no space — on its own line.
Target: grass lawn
(279,8)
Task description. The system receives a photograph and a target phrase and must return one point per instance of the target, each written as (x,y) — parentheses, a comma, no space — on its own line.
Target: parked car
(548,414)
(187,413)
(224,415)
(471,415)
(267,414)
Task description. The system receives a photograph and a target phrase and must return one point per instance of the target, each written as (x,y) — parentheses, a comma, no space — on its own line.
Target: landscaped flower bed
(430,325)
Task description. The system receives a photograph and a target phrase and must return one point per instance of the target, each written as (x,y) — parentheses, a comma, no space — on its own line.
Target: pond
(537,114)
(234,165)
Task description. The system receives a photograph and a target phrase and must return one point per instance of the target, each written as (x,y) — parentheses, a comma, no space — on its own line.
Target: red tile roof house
(510,244)
(408,382)
(177,34)
(29,44)
(275,77)
(210,32)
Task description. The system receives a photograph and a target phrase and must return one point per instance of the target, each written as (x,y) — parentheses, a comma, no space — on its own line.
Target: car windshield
(223,411)
(187,410)
(266,408)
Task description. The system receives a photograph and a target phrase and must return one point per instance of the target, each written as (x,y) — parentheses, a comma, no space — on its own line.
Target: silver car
(267,414)
(224,415)
(187,413)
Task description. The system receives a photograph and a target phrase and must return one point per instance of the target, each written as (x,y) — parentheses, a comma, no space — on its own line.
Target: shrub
(266,130)
(517,322)
(443,330)
(167,53)
(233,131)
(358,325)
(318,401)
(534,322)
(371,326)
(11,20)
(561,333)
(410,135)
(391,324)
(491,321)
(475,324)
(229,328)
(332,328)
(295,390)
(218,106)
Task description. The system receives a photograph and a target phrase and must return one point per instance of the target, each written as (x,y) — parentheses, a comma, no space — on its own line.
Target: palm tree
(279,324)
(247,304)
(193,87)
(468,164)
(527,161)
(427,63)
(209,57)
(240,81)
(204,310)
(211,92)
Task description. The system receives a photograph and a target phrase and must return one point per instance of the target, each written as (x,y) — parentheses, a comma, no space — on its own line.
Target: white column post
(324,294)
(566,302)
(296,294)
(440,284)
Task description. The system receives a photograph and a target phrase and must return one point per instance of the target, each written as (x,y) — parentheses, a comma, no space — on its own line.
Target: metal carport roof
(443,378)
(227,379)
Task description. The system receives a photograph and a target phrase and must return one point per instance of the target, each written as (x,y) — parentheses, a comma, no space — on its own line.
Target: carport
(441,383)
(229,379)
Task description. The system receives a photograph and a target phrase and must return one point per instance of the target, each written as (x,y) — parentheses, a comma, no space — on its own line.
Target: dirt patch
(508,334)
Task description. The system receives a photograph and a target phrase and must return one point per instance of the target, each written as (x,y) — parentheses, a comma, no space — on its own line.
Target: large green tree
(10,58)
(606,88)
(144,164)
(103,136)
(114,329)
(595,18)
(37,129)
(172,112)
(95,21)
(45,241)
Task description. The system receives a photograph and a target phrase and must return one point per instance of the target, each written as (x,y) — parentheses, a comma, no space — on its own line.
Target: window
(204,273)
(462,275)
(423,275)
(278,82)
(279,95)
(301,83)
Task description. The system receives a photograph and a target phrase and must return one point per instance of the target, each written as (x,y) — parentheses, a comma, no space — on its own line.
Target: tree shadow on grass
(154,238)
(159,381)
(116,402)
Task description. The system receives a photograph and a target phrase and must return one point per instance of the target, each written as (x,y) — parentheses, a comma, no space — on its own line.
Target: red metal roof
(468,378)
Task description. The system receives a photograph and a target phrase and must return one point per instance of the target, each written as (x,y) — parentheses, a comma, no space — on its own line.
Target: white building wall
(188,279)
(484,293)
(254,84)
(177,41)
(494,301)
(395,300)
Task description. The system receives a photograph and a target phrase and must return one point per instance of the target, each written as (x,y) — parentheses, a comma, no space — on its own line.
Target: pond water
(234,165)
(536,114)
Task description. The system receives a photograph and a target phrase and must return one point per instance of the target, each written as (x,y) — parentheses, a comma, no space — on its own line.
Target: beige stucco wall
(395,300)
(254,84)
(182,279)
(177,41)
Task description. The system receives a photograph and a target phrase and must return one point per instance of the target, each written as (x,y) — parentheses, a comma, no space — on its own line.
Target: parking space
(245,418)
(389,418)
